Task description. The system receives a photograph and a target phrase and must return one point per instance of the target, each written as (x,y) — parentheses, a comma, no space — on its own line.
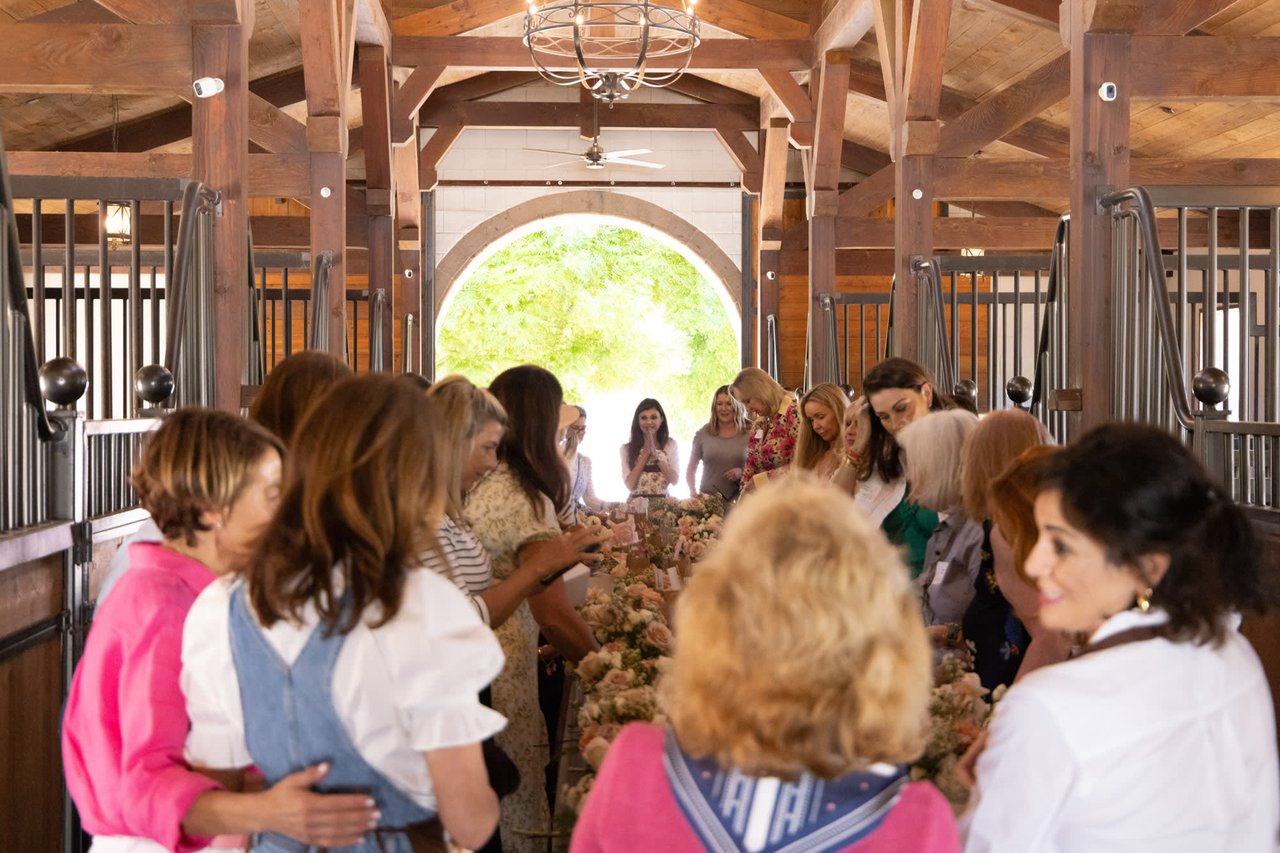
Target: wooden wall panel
(31,784)
(30,593)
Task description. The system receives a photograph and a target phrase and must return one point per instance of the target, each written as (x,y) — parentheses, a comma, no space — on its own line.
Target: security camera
(1107,91)
(207,87)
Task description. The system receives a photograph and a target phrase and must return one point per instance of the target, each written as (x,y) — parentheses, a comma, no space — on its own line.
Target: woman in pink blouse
(776,427)
(210,481)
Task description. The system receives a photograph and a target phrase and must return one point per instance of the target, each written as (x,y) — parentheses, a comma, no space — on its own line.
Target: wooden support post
(408,225)
(1099,162)
(220,144)
(382,277)
(913,238)
(329,232)
(824,197)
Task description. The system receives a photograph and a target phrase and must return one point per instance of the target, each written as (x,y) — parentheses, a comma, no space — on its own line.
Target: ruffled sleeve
(440,656)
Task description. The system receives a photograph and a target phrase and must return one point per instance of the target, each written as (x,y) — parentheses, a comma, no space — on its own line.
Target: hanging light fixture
(611,44)
(119,224)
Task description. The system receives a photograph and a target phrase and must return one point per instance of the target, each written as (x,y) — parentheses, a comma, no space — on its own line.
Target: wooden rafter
(709,92)
(1203,67)
(560,114)
(458,16)
(860,158)
(829,113)
(273,129)
(433,152)
(794,101)
(1153,17)
(120,59)
(508,52)
(81,12)
(772,185)
(483,85)
(744,155)
(375,101)
(270,175)
(175,11)
(409,98)
(845,24)
(746,19)
(1041,13)
(886,74)
(922,86)
(321,57)
(371,26)
(1008,109)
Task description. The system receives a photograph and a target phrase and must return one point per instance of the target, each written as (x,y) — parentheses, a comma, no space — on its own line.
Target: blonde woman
(720,447)
(800,587)
(776,414)
(820,447)
(933,446)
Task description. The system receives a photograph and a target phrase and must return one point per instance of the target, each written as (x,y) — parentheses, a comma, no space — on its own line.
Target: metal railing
(772,362)
(1052,340)
(935,344)
(406,348)
(378,357)
(318,338)
(1159,333)
(854,337)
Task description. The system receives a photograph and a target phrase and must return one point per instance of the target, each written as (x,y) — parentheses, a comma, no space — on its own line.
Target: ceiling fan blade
(553,151)
(614,161)
(613,155)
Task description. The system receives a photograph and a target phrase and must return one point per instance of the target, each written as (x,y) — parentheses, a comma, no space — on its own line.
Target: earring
(1144,599)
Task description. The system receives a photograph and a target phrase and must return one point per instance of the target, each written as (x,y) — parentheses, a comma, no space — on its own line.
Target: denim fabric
(291,724)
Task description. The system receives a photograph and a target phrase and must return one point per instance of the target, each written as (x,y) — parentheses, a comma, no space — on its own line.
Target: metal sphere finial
(1019,390)
(63,381)
(1211,386)
(153,383)
(967,388)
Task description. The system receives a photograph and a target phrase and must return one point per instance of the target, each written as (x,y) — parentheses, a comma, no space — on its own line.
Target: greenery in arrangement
(605,308)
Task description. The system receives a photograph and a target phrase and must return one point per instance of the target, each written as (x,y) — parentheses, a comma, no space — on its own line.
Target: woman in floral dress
(508,509)
(774,434)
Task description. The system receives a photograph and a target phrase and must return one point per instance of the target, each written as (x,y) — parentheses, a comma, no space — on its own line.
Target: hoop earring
(1144,599)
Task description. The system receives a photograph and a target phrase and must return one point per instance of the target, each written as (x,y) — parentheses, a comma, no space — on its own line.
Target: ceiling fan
(595,157)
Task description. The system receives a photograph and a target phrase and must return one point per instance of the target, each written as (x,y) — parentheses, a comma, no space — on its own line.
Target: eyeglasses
(580,430)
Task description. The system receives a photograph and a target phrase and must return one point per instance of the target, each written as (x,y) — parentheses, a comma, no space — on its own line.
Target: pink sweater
(126,720)
(631,807)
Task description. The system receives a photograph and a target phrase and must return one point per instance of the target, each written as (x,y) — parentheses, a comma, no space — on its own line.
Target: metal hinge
(81,542)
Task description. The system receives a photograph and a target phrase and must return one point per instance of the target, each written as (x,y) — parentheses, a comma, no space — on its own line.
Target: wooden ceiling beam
(865,262)
(458,16)
(952,233)
(409,98)
(508,52)
(107,59)
(322,62)
(273,129)
(1041,13)
(887,72)
(844,25)
(82,12)
(930,24)
(1008,109)
(1199,68)
(1152,17)
(794,101)
(371,23)
(772,185)
(868,194)
(175,11)
(744,156)
(560,114)
(747,19)
(375,101)
(270,175)
(433,152)
(860,158)
(829,112)
(709,92)
(484,85)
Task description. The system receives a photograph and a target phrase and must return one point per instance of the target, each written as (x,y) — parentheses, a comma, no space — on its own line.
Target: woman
(582,491)
(1160,735)
(1000,622)
(895,392)
(776,425)
(340,646)
(799,588)
(820,447)
(509,509)
(472,421)
(933,446)
(650,459)
(720,446)
(210,481)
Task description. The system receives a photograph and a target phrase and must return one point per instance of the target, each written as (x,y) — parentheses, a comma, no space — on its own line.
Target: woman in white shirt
(340,646)
(1160,735)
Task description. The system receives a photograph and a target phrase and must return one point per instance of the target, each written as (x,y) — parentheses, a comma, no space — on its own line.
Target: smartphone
(592,548)
(548,580)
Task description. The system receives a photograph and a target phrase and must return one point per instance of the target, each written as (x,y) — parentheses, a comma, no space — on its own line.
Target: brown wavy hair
(364,492)
(532,396)
(883,455)
(290,389)
(197,460)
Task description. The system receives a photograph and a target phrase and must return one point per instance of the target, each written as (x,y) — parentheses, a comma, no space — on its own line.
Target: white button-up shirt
(1147,746)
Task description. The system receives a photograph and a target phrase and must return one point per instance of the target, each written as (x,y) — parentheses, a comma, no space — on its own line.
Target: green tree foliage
(605,308)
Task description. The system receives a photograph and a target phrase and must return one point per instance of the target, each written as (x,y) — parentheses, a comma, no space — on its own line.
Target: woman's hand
(733,475)
(548,556)
(321,820)
(966,767)
(858,432)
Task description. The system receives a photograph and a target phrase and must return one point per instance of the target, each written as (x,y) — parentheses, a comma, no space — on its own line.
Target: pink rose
(659,636)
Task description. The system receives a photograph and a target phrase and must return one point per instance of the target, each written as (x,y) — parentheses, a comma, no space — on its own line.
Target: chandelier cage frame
(604,38)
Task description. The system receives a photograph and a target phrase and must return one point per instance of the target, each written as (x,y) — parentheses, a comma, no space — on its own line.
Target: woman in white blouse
(1160,735)
(342,649)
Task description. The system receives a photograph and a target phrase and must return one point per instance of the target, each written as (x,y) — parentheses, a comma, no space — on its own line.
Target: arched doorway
(612,308)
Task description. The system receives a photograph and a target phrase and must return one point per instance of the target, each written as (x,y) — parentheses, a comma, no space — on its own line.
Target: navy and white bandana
(730,811)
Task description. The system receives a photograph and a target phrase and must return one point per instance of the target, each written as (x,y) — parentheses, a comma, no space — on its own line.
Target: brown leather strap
(1133,635)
